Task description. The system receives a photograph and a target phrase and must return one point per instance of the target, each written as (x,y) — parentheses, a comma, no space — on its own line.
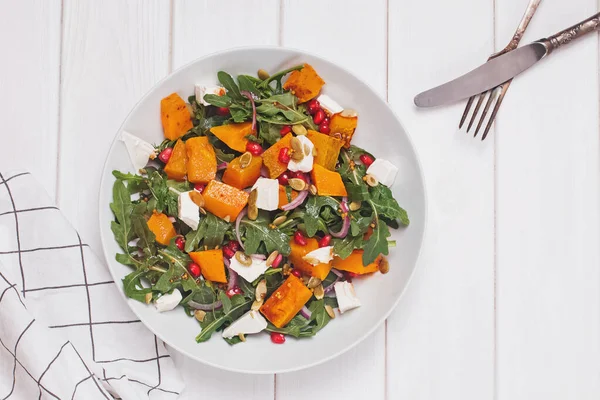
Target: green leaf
(269,133)
(352,175)
(193,238)
(147,238)
(319,317)
(278,76)
(229,84)
(218,101)
(132,285)
(294,328)
(215,230)
(382,200)
(377,243)
(246,83)
(214,321)
(174,276)
(240,113)
(259,231)
(312,212)
(344,247)
(222,156)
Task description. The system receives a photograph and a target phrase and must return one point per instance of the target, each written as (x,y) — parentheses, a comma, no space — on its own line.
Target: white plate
(379,131)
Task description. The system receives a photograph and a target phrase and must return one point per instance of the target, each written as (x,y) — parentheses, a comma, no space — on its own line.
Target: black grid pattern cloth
(65,332)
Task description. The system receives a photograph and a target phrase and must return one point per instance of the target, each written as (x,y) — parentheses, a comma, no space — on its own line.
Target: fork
(497,94)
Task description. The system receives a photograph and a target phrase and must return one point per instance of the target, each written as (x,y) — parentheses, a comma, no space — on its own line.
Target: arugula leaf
(294,328)
(145,235)
(359,223)
(215,230)
(259,231)
(214,321)
(166,200)
(377,243)
(382,200)
(319,317)
(122,228)
(239,113)
(132,285)
(229,84)
(278,77)
(174,276)
(344,247)
(193,238)
(269,133)
(218,101)
(312,218)
(246,83)
(352,175)
(222,156)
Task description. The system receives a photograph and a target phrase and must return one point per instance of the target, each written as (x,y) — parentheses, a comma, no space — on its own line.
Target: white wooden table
(505,303)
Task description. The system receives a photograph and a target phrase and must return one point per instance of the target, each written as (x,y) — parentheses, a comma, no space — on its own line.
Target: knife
(504,67)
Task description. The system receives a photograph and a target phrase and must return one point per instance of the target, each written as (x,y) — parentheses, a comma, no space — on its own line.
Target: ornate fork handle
(576,31)
(518,35)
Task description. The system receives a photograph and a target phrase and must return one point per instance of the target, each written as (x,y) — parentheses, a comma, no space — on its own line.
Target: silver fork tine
(477,107)
(491,98)
(466,112)
(496,108)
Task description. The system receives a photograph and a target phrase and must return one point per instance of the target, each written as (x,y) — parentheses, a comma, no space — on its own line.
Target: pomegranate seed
(180,242)
(325,240)
(199,187)
(165,154)
(277,338)
(223,111)
(350,275)
(230,248)
(326,120)
(296,273)
(299,238)
(319,116)
(366,159)
(233,291)
(254,148)
(194,269)
(234,245)
(324,128)
(285,130)
(313,106)
(299,175)
(283,179)
(228,253)
(284,155)
(277,261)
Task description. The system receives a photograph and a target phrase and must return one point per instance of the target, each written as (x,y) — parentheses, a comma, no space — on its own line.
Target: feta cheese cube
(346,297)
(267,193)
(306,164)
(167,302)
(201,90)
(329,105)
(251,322)
(139,150)
(321,255)
(384,171)
(188,211)
(251,272)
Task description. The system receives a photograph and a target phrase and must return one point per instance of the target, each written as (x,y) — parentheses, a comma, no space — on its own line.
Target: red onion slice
(264,172)
(305,312)
(337,273)
(260,257)
(344,205)
(251,98)
(237,227)
(221,166)
(296,202)
(205,307)
(346,222)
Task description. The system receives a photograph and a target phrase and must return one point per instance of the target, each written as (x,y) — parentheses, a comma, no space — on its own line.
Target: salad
(256,212)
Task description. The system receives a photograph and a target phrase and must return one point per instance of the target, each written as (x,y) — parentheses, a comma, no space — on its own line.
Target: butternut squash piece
(328,183)
(286,301)
(175,117)
(202,161)
(305,84)
(283,199)
(239,177)
(343,124)
(211,264)
(353,263)
(223,200)
(327,148)
(320,270)
(234,135)
(162,227)
(271,157)
(176,168)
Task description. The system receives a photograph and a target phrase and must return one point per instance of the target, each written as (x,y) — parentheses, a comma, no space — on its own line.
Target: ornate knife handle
(564,37)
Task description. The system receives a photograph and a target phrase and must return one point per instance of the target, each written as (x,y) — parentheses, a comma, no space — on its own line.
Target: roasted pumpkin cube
(327,148)
(175,117)
(176,167)
(202,161)
(223,200)
(353,263)
(319,271)
(283,197)
(211,264)
(328,183)
(286,301)
(305,84)
(242,178)
(162,227)
(343,125)
(271,157)
(234,135)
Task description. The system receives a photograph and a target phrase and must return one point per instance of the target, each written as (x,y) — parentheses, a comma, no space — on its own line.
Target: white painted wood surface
(505,303)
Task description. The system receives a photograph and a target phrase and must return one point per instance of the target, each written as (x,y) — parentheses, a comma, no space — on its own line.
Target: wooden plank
(200,28)
(29,76)
(331,29)
(441,336)
(548,220)
(113,52)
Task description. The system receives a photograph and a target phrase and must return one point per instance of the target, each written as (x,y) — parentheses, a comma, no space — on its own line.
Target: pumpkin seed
(202,210)
(245,159)
(349,113)
(242,337)
(311,260)
(148,298)
(199,315)
(252,212)
(329,310)
(190,109)
(305,279)
(227,218)
(313,282)
(297,184)
(252,197)
(271,258)
(312,189)
(355,205)
(197,198)
(299,130)
(371,180)
(297,156)
(314,152)
(243,258)
(384,265)
(262,74)
(319,292)
(256,305)
(279,220)
(306,149)
(296,145)
(261,290)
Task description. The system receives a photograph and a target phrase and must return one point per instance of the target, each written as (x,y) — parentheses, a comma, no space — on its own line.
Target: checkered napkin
(65,332)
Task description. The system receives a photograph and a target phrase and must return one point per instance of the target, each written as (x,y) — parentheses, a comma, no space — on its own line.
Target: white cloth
(65,332)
